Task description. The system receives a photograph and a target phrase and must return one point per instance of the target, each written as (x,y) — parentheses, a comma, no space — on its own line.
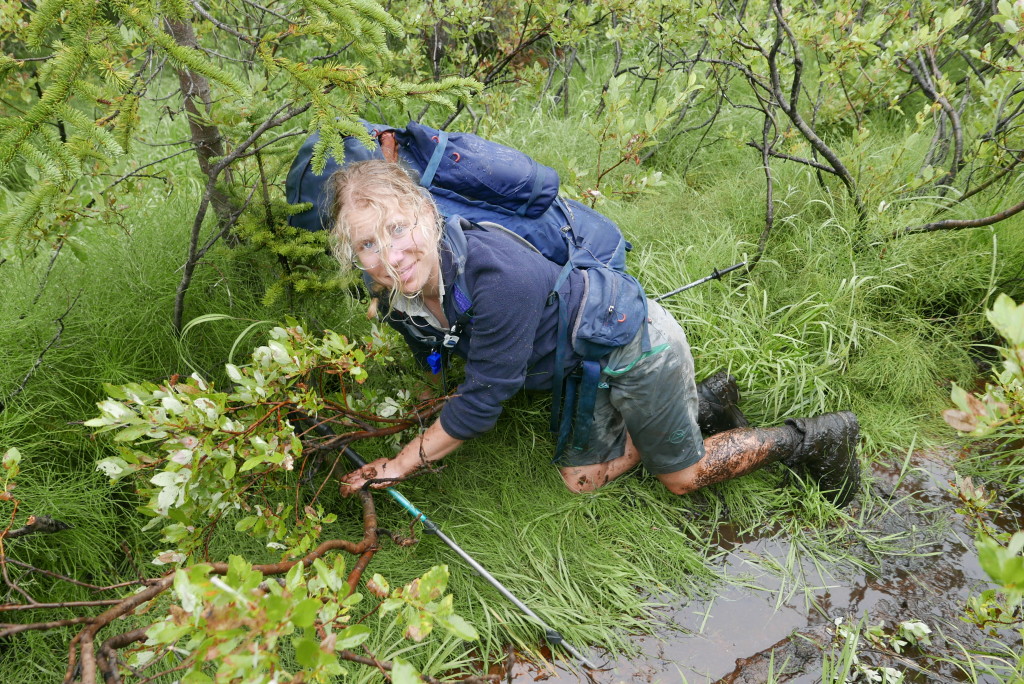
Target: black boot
(717,409)
(829,453)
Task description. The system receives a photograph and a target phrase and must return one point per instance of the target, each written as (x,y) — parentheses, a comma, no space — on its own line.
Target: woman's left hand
(391,468)
(426,448)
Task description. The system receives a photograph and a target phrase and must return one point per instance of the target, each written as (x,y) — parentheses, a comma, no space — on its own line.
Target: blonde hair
(379,186)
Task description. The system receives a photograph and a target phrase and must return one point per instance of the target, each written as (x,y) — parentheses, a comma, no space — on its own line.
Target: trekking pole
(553,636)
(715,275)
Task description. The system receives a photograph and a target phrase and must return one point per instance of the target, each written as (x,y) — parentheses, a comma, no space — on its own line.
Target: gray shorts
(651,396)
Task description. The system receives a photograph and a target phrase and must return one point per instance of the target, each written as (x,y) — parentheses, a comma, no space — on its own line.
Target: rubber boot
(717,409)
(829,453)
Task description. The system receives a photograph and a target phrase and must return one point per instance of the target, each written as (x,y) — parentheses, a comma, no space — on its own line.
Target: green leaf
(238,569)
(328,576)
(305,612)
(307,652)
(11,458)
(433,583)
(1008,319)
(251,463)
(459,626)
(229,469)
(294,577)
(391,604)
(246,523)
(404,673)
(77,249)
(196,677)
(352,636)
(276,607)
(130,434)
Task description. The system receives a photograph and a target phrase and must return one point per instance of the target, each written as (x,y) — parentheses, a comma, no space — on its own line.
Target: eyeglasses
(366,254)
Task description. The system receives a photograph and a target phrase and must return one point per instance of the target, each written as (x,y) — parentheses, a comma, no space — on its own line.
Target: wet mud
(769,627)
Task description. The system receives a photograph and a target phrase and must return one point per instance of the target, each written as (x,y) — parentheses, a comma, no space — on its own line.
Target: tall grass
(830,319)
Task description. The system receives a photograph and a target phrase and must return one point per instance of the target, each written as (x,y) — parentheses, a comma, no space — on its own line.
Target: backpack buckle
(450,340)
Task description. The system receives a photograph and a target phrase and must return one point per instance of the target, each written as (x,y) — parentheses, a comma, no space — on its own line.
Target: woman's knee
(581,479)
(681,481)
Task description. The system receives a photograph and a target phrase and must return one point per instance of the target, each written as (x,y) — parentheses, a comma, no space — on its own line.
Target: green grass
(828,320)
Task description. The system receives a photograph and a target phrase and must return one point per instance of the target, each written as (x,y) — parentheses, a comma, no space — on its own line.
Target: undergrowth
(831,318)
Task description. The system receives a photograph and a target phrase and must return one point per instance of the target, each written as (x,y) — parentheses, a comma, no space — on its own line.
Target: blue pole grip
(416,513)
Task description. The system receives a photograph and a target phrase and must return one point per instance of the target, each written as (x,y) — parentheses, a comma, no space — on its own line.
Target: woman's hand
(391,468)
(433,445)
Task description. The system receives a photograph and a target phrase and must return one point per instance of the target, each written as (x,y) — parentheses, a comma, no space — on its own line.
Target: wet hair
(381,187)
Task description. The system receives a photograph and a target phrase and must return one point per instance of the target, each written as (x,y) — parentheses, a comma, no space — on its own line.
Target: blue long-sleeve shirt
(510,342)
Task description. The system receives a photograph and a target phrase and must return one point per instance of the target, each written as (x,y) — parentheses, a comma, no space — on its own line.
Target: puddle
(730,638)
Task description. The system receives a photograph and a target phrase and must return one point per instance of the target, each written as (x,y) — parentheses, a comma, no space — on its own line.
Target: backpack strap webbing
(564,428)
(455,240)
(560,414)
(435,159)
(538,185)
(587,398)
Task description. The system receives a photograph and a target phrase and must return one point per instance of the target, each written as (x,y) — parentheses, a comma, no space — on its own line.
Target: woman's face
(404,246)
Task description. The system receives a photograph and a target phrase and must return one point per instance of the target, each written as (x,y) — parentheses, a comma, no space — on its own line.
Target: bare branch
(789,157)
(70,580)
(46,277)
(991,181)
(955,224)
(223,27)
(39,359)
(7,629)
(269,11)
(789,107)
(37,524)
(769,209)
(153,163)
(9,607)
(924,81)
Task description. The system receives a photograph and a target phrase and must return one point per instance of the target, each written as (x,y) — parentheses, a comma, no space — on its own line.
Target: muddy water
(731,638)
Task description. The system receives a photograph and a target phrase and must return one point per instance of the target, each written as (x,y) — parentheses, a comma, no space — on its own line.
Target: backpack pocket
(613,309)
(480,169)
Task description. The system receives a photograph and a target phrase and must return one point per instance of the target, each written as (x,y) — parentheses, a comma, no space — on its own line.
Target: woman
(647,407)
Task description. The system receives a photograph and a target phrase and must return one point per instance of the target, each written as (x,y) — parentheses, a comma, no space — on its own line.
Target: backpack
(482,185)
(468,176)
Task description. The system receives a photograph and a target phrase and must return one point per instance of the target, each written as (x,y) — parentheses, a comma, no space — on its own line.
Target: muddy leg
(589,477)
(733,453)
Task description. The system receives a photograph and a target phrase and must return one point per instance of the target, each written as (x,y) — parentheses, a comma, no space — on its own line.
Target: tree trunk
(209,145)
(206,137)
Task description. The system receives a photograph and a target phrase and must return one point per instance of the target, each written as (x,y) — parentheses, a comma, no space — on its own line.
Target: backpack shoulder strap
(454,240)
(493,227)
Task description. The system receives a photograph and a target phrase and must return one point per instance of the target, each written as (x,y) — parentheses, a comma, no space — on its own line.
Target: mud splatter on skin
(738,452)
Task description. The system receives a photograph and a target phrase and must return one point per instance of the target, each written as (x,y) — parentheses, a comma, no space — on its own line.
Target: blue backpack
(477,183)
(467,176)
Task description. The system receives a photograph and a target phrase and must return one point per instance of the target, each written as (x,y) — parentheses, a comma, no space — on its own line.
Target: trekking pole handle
(715,275)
